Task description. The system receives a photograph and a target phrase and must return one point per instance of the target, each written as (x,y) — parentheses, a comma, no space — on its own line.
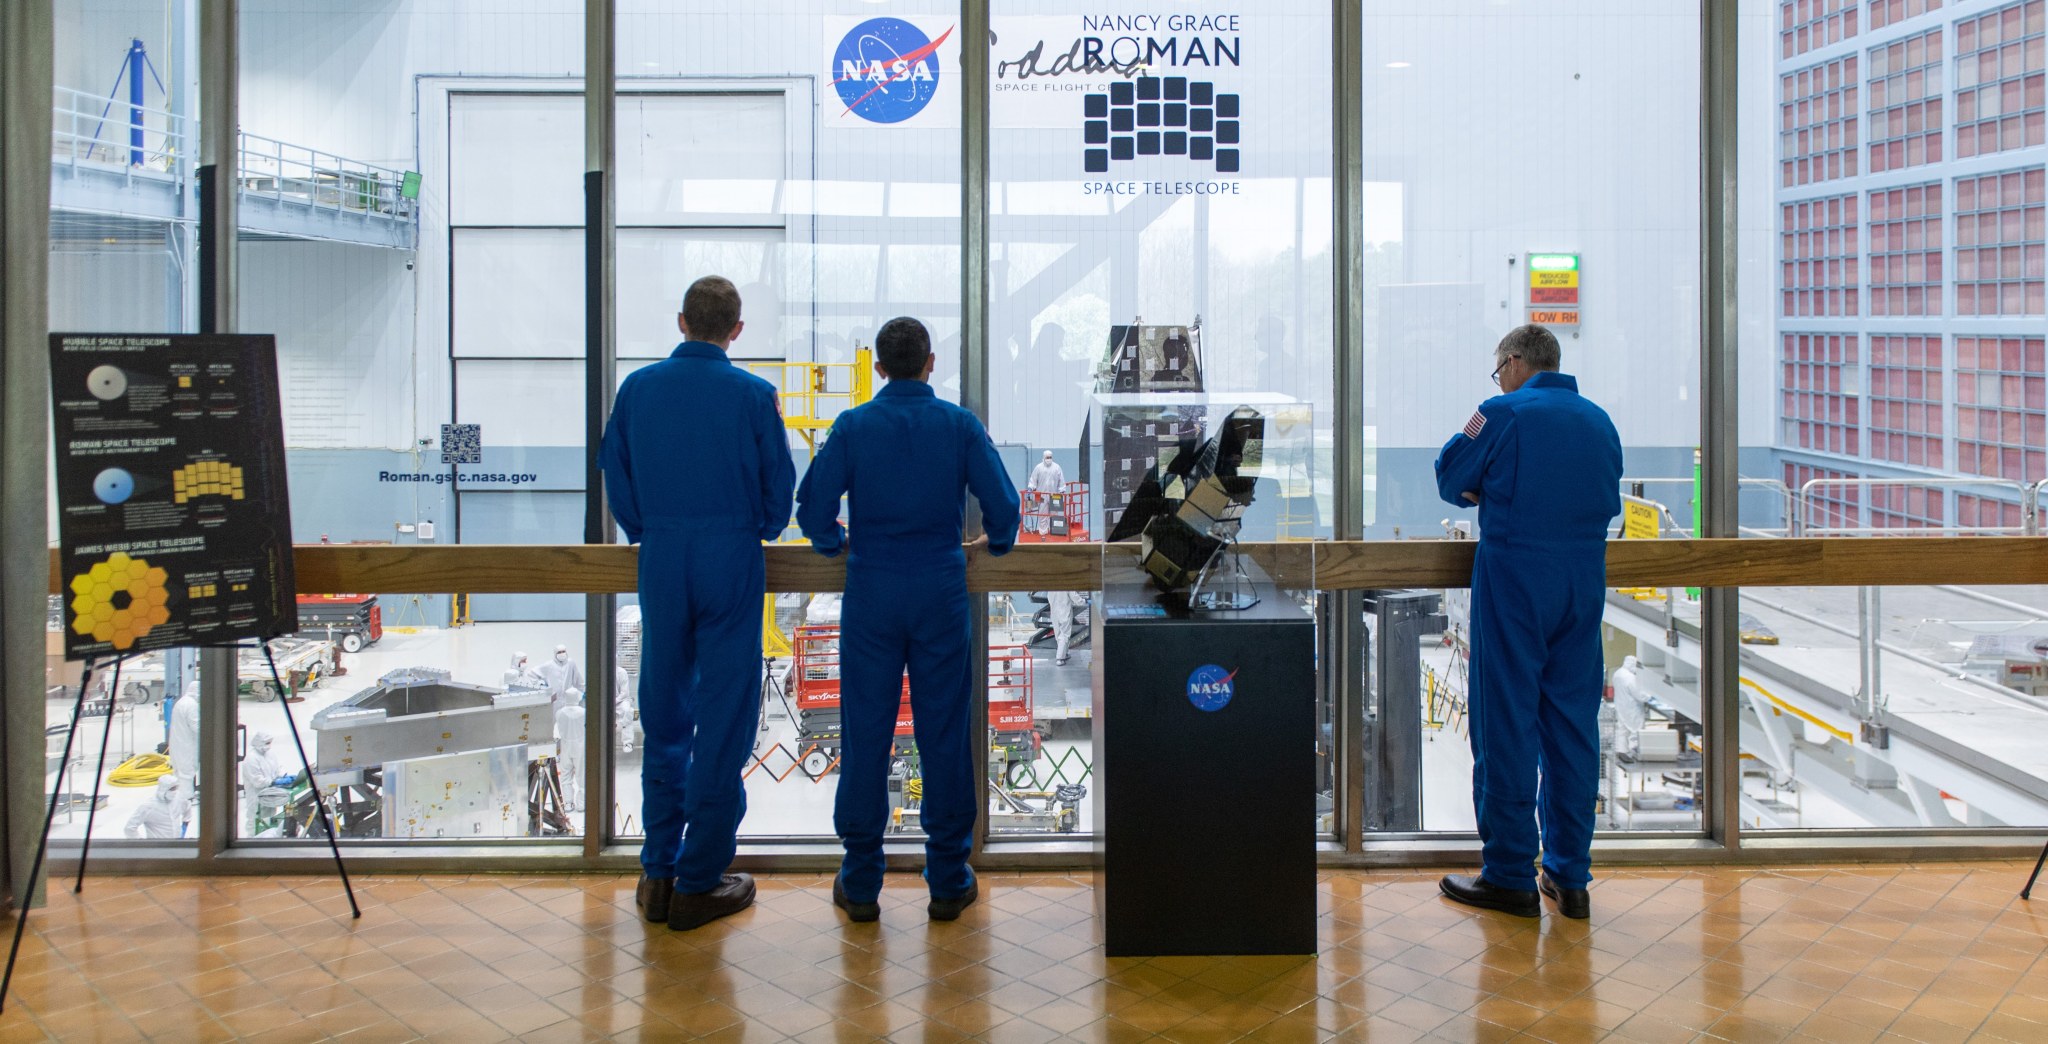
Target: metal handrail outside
(286,173)
(79,122)
(1803,525)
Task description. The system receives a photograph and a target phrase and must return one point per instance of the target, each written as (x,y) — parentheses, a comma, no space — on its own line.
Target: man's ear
(682,326)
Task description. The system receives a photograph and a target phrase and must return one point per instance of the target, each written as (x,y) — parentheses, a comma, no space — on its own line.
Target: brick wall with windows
(2002,243)
(1827,506)
(1905,507)
(1818,115)
(1819,271)
(1975,511)
(2002,79)
(1806,24)
(2001,408)
(1889,12)
(1905,102)
(1905,250)
(1906,399)
(1818,393)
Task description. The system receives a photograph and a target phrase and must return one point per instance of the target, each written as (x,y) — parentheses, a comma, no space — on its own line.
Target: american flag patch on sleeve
(1475,425)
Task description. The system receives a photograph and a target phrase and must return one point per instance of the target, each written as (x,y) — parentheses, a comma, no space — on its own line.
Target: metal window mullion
(25,127)
(974,325)
(600,353)
(219,175)
(1346,682)
(1719,434)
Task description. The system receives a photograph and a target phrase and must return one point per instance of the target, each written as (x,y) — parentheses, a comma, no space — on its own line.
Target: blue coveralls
(698,472)
(905,459)
(1546,464)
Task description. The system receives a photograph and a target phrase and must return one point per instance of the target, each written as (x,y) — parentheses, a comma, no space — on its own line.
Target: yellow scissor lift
(811,396)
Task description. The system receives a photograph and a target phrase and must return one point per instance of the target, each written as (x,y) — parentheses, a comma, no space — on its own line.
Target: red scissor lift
(1064,513)
(814,681)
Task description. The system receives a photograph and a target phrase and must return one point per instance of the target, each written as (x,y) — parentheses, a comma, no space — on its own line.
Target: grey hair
(1536,345)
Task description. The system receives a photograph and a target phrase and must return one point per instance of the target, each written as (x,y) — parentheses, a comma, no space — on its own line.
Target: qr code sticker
(462,444)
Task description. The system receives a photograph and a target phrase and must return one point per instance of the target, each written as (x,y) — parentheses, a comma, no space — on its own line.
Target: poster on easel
(174,522)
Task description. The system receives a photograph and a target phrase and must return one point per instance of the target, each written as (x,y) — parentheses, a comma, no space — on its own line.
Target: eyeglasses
(1502,366)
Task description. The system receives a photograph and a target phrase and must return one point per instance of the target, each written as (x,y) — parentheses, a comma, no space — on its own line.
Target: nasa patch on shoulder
(1475,425)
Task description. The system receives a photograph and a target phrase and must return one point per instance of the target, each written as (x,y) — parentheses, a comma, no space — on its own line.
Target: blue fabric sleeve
(778,470)
(1461,467)
(817,500)
(992,489)
(616,461)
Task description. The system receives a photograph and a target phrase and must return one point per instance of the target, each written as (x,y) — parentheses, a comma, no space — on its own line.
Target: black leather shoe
(859,913)
(1478,891)
(1571,902)
(949,909)
(652,897)
(735,892)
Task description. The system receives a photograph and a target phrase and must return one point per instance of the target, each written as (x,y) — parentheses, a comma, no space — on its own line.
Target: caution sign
(1553,289)
(1638,520)
(173,519)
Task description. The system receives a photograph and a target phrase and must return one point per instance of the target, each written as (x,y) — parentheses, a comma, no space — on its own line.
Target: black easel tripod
(2028,891)
(92,805)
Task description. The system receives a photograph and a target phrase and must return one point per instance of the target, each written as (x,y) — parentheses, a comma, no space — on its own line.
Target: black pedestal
(1207,816)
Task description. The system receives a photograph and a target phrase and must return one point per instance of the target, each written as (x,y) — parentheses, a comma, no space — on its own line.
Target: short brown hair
(711,308)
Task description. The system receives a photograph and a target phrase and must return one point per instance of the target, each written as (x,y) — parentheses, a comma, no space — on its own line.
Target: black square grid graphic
(1207,127)
(462,444)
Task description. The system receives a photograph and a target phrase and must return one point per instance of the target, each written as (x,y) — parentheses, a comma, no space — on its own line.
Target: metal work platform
(125,172)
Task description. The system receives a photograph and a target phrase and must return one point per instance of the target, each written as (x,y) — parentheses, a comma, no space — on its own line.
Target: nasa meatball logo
(1211,687)
(886,70)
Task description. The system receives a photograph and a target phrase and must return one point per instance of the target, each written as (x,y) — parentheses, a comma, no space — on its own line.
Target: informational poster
(173,519)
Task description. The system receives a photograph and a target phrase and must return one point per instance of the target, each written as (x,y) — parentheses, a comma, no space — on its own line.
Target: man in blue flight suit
(1544,466)
(905,460)
(698,473)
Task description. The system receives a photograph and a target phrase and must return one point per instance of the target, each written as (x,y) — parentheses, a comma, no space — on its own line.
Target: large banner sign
(1144,96)
(172,510)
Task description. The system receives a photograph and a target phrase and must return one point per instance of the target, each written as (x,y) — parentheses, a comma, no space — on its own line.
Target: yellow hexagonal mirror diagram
(119,600)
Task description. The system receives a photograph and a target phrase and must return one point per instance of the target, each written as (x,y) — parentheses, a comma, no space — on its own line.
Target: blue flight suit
(698,473)
(1546,464)
(905,459)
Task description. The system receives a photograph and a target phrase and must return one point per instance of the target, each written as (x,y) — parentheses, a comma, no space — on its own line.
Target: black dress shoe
(1571,902)
(1478,891)
(859,913)
(735,892)
(652,897)
(949,909)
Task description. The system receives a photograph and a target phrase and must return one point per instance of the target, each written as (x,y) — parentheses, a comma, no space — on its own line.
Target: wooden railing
(1326,565)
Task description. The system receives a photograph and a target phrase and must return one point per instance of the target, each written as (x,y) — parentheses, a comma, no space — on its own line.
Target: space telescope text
(1161,188)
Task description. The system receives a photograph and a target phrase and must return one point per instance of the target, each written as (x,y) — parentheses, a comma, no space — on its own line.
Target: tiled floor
(1841,954)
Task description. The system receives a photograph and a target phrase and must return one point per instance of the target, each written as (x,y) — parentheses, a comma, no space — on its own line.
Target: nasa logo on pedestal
(1210,687)
(886,70)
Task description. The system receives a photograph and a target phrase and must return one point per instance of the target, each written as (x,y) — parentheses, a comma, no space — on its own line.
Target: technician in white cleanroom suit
(1628,707)
(164,814)
(1061,609)
(564,676)
(521,675)
(569,720)
(181,742)
(1046,479)
(259,770)
(625,711)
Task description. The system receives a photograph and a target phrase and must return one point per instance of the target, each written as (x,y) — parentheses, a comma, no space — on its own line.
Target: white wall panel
(657,264)
(520,402)
(516,159)
(343,316)
(518,292)
(686,158)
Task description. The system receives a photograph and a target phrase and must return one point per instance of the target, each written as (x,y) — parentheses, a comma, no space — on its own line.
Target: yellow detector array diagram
(206,478)
(119,600)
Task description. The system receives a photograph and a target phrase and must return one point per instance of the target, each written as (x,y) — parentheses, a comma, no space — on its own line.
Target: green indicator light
(1554,262)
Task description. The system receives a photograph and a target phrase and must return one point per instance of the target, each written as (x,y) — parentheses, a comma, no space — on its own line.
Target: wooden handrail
(1325,565)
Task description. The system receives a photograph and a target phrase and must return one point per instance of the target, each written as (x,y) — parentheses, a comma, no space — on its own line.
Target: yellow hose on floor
(142,770)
